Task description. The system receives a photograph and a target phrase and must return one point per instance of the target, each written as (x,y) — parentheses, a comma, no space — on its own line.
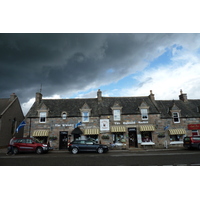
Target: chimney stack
(99,95)
(151,96)
(183,97)
(12,96)
(38,98)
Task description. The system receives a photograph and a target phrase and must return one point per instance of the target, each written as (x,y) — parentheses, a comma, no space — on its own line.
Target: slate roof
(72,106)
(187,109)
(3,104)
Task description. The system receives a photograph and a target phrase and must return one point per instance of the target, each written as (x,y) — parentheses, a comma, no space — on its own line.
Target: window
(85,116)
(176,138)
(146,137)
(117,115)
(64,115)
(144,114)
(175,116)
(195,132)
(43,117)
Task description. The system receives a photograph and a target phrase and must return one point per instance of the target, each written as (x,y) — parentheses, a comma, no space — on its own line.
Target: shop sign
(129,122)
(193,126)
(104,125)
(58,125)
(143,122)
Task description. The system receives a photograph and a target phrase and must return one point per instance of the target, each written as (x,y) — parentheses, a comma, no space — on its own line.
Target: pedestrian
(10,148)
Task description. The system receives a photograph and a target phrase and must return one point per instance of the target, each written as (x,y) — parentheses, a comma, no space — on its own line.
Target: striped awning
(147,128)
(178,131)
(92,131)
(41,133)
(117,129)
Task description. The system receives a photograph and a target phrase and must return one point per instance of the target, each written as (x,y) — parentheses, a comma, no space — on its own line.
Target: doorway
(132,134)
(63,140)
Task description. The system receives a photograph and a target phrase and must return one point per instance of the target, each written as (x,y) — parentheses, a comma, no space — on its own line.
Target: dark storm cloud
(70,62)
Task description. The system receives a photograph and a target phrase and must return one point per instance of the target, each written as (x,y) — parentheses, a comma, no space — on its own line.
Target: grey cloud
(69,62)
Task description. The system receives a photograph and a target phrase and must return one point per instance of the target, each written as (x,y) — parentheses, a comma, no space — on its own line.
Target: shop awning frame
(178,131)
(146,128)
(118,129)
(40,133)
(91,131)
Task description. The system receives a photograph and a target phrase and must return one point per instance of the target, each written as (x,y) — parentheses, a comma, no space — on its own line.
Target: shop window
(146,137)
(176,118)
(195,132)
(85,116)
(117,115)
(43,117)
(144,113)
(174,138)
(118,137)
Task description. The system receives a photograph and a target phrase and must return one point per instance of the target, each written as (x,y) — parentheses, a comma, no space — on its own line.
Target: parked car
(86,145)
(29,145)
(191,142)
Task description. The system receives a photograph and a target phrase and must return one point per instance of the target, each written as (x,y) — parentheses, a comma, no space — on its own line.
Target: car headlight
(44,145)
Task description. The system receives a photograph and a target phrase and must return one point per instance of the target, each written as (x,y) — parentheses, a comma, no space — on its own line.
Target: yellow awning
(118,129)
(92,131)
(41,133)
(147,128)
(178,131)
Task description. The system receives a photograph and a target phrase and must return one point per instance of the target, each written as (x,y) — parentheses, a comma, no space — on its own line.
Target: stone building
(11,116)
(120,122)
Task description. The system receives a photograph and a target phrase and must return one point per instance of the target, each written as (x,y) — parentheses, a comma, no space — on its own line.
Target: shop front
(118,136)
(146,132)
(133,139)
(92,134)
(41,135)
(194,128)
(176,136)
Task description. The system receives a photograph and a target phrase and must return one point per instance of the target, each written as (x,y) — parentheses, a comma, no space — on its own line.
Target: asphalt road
(112,158)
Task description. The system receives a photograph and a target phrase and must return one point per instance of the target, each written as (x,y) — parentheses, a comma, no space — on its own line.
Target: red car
(191,142)
(29,145)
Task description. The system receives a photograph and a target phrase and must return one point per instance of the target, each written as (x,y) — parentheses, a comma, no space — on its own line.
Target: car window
(89,142)
(29,141)
(82,142)
(21,140)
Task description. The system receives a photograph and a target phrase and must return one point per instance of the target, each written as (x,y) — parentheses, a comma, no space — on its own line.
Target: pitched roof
(3,104)
(129,105)
(187,109)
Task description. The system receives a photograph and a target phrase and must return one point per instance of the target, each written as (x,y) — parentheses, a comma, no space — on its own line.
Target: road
(112,158)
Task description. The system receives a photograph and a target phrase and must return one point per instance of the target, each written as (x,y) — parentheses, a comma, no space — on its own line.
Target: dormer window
(43,116)
(144,113)
(85,116)
(85,113)
(64,115)
(176,117)
(117,115)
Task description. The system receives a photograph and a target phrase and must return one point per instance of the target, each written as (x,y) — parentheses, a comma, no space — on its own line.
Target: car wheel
(15,150)
(74,150)
(100,150)
(39,150)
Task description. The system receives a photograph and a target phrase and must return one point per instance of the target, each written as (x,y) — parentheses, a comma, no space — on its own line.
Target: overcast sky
(77,65)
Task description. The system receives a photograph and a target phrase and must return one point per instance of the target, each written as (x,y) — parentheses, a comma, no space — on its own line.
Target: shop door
(63,139)
(132,137)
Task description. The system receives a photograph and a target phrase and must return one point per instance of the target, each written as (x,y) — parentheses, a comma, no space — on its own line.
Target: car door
(90,146)
(21,145)
(82,146)
(30,145)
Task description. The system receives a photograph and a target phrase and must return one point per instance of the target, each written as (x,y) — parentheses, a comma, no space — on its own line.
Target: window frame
(174,117)
(41,118)
(84,117)
(144,113)
(117,116)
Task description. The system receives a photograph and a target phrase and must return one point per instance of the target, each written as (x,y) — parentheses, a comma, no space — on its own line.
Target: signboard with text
(193,126)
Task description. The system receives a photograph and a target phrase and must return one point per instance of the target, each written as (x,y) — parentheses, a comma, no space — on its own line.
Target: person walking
(10,148)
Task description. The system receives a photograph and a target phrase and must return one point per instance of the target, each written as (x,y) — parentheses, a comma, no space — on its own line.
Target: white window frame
(43,116)
(176,117)
(85,116)
(144,113)
(117,115)
(64,115)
